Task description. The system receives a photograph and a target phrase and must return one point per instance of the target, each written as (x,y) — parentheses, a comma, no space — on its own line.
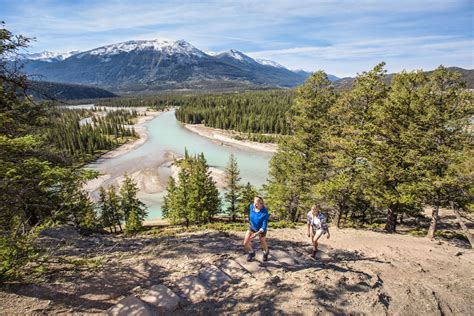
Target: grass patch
(449,234)
(419,232)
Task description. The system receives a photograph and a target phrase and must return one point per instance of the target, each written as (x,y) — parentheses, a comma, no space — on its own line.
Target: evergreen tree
(348,135)
(134,222)
(204,200)
(106,217)
(395,182)
(247,193)
(232,178)
(301,160)
(439,134)
(195,198)
(169,200)
(129,200)
(113,202)
(181,211)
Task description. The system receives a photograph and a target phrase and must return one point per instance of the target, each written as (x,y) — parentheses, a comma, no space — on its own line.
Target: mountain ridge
(148,65)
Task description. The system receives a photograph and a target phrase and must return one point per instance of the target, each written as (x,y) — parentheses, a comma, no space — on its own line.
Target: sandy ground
(141,131)
(221,136)
(357,272)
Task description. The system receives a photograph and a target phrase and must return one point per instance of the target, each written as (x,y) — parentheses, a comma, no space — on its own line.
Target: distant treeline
(249,112)
(81,135)
(156,102)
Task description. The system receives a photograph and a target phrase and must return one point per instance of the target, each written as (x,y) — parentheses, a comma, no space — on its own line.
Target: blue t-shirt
(258,220)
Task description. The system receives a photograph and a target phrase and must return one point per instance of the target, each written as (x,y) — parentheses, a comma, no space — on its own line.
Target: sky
(341,37)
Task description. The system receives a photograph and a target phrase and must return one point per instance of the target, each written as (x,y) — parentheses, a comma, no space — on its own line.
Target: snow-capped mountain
(161,64)
(49,56)
(267,62)
(234,54)
(168,47)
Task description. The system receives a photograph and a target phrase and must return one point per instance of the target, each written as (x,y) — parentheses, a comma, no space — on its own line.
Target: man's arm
(265,223)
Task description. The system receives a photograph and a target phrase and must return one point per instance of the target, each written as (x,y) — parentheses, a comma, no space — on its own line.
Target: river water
(166,134)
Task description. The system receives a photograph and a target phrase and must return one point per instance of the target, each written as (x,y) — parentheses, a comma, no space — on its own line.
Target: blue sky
(340,37)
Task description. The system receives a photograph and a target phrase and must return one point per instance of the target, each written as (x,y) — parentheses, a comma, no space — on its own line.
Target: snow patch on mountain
(49,56)
(267,62)
(164,46)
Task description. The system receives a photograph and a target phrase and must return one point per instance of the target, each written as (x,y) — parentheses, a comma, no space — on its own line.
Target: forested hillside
(43,90)
(254,112)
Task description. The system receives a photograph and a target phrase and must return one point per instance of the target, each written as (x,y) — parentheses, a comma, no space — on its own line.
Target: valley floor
(356,271)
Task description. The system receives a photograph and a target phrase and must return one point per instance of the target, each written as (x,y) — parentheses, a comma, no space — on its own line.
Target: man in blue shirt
(258,227)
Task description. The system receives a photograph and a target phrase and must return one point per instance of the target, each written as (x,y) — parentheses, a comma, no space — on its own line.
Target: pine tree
(301,160)
(113,202)
(134,222)
(169,200)
(204,200)
(194,198)
(395,182)
(348,136)
(232,178)
(129,200)
(181,211)
(247,194)
(440,134)
(106,217)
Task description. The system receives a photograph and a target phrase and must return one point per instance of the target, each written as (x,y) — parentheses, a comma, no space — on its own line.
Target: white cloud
(338,36)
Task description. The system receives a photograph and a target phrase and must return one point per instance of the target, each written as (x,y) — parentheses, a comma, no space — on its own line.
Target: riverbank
(356,272)
(226,137)
(140,129)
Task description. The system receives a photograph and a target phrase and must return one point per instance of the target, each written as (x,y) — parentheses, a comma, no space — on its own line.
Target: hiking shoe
(265,256)
(251,256)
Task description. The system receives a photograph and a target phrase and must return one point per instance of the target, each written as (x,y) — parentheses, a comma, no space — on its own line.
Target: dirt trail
(355,272)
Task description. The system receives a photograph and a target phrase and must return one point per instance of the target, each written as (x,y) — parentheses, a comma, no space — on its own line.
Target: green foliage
(134,223)
(250,112)
(246,195)
(376,148)
(15,251)
(162,101)
(194,199)
(232,178)
(129,202)
(80,140)
(301,160)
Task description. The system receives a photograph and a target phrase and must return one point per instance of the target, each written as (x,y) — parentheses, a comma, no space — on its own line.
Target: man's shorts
(262,234)
(317,232)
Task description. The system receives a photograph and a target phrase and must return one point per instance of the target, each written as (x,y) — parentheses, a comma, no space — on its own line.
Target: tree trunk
(346,212)
(463,226)
(401,219)
(391,223)
(338,217)
(340,210)
(434,222)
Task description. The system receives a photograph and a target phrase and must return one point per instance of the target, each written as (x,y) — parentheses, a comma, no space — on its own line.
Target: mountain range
(151,65)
